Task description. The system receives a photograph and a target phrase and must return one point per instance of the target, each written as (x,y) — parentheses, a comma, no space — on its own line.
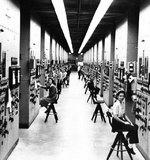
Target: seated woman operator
(121,122)
(51,98)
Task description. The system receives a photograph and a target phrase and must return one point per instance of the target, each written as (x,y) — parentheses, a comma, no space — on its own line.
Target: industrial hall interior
(74,79)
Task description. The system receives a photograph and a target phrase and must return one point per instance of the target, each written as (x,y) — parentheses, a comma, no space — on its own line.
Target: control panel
(119,80)
(35,73)
(4,86)
(142,111)
(94,72)
(9,108)
(142,114)
(106,76)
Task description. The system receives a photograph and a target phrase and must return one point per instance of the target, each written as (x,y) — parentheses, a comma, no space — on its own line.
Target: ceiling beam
(78,11)
(106,23)
(114,14)
(50,11)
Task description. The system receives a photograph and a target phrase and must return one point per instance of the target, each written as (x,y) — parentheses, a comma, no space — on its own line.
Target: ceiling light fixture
(100,12)
(62,18)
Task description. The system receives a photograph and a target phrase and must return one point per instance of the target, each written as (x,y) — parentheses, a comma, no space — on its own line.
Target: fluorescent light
(100,12)
(62,18)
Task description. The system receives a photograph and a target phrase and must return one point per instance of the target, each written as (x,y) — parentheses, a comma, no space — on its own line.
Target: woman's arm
(41,86)
(127,119)
(118,119)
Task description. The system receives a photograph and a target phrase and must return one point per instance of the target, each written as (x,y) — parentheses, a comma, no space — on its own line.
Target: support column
(132,41)
(24,62)
(59,54)
(55,52)
(50,50)
(102,67)
(108,94)
(97,53)
(132,53)
(42,57)
(111,67)
(93,55)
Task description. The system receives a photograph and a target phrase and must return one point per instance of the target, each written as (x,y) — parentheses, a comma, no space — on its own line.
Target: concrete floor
(74,137)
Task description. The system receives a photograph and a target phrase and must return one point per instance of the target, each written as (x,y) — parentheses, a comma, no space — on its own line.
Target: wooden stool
(90,96)
(51,107)
(99,110)
(119,142)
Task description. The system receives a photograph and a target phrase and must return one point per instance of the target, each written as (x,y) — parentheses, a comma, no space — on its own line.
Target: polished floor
(74,137)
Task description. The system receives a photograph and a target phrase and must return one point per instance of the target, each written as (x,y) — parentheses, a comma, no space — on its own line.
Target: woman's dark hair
(128,75)
(52,80)
(121,91)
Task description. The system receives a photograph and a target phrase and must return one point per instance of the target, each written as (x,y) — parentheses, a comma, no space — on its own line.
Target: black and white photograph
(74,80)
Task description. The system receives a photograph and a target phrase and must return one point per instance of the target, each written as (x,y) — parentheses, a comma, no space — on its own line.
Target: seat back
(55,102)
(109,115)
(94,99)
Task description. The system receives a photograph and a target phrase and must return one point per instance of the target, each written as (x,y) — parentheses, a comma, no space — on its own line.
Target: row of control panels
(9,110)
(34,88)
(93,71)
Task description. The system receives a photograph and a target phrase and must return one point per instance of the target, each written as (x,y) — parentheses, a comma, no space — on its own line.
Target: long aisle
(74,137)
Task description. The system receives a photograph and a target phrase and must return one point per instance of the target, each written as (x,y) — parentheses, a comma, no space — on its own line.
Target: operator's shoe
(46,111)
(132,151)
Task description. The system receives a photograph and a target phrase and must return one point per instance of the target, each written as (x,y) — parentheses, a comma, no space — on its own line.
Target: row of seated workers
(57,78)
(117,118)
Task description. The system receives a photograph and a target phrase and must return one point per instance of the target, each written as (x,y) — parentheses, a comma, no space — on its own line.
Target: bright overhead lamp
(100,12)
(62,18)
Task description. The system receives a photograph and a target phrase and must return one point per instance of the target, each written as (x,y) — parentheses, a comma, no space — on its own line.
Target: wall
(107,48)
(47,45)
(121,42)
(53,50)
(9,22)
(143,79)
(120,56)
(60,50)
(95,53)
(35,50)
(106,68)
(35,38)
(71,58)
(100,52)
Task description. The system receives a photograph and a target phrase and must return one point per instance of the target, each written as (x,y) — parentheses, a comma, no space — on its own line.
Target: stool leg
(89,97)
(102,114)
(48,111)
(86,90)
(56,117)
(55,113)
(93,115)
(127,148)
(113,146)
(92,100)
(118,149)
(96,111)
(121,151)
